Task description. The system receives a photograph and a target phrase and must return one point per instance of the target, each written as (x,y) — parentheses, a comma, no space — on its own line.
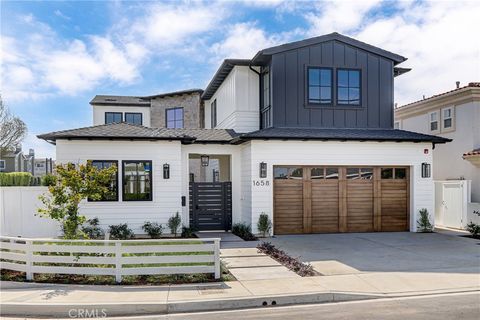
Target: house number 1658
(261,183)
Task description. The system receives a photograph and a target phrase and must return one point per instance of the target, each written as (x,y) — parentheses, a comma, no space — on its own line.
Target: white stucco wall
(339,153)
(449,164)
(237,101)
(99,113)
(166,192)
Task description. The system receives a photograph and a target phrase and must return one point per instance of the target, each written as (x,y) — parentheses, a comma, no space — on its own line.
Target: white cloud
(59,13)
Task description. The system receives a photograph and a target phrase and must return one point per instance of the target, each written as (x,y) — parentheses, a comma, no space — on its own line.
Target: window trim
(114,112)
(116,178)
(452,117)
(183,117)
(4,164)
(430,121)
(360,88)
(123,180)
(307,91)
(134,113)
(213,115)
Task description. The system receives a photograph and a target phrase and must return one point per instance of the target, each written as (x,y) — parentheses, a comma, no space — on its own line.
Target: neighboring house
(454,115)
(43,166)
(302,131)
(17,161)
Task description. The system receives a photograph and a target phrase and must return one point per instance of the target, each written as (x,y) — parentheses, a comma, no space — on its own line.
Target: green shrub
(121,232)
(188,232)
(49,180)
(264,225)
(474,229)
(423,223)
(92,230)
(16,179)
(153,229)
(174,223)
(244,231)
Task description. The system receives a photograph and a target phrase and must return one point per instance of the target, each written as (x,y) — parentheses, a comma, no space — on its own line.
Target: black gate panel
(211,205)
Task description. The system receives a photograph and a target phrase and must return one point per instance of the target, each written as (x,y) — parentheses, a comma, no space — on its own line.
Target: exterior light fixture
(205,160)
(263,169)
(426,170)
(166,171)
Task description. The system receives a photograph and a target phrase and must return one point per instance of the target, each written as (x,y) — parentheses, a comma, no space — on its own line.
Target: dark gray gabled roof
(126,131)
(221,74)
(175,93)
(120,100)
(260,56)
(340,135)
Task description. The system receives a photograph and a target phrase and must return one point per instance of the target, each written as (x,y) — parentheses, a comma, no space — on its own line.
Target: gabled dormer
(331,81)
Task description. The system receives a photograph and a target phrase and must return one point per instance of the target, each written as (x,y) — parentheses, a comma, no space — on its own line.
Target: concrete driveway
(334,254)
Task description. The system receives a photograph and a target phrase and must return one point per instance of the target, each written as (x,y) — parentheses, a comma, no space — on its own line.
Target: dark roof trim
(397,71)
(222,72)
(328,37)
(175,93)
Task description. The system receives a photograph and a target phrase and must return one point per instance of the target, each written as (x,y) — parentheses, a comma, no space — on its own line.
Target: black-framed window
(213,114)
(134,118)
(137,180)
(112,194)
(265,110)
(113,117)
(174,118)
(348,87)
(320,85)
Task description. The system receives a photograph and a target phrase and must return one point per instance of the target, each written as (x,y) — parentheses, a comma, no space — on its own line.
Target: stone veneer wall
(192,109)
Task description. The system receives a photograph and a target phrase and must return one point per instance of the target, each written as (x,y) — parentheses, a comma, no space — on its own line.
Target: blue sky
(57,55)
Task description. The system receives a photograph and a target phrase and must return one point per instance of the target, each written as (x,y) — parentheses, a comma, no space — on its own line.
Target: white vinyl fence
(110,257)
(18,213)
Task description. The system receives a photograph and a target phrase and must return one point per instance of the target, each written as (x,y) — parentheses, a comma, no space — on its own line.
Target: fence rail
(110,257)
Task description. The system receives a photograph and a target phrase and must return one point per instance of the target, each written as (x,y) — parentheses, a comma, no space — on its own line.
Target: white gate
(451,202)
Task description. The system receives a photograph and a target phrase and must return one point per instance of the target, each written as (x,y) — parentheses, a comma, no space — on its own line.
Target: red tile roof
(470,85)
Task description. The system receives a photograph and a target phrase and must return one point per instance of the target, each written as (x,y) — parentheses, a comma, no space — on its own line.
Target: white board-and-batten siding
(356,154)
(166,198)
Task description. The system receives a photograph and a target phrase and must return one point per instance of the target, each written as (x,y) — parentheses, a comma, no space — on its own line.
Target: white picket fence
(110,257)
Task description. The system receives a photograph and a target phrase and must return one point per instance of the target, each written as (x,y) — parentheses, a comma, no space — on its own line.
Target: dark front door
(211,205)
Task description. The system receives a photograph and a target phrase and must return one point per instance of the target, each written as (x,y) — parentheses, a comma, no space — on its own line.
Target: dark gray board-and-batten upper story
(289,108)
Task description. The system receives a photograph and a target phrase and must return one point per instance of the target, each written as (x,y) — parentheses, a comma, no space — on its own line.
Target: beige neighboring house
(455,115)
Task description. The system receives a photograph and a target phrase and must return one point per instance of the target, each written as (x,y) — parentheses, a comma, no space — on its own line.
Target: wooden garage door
(340,199)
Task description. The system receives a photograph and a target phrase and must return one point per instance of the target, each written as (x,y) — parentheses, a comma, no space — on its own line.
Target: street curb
(61,310)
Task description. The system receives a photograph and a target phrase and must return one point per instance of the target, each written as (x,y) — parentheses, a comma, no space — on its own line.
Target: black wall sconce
(166,171)
(263,169)
(205,160)
(426,170)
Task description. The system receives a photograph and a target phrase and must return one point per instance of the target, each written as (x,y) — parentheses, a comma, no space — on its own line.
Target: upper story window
(133,118)
(112,194)
(396,125)
(319,86)
(266,89)
(348,87)
(113,117)
(447,118)
(213,114)
(174,118)
(434,121)
(2,164)
(137,180)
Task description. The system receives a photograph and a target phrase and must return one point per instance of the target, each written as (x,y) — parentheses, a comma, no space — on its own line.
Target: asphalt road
(452,306)
(434,307)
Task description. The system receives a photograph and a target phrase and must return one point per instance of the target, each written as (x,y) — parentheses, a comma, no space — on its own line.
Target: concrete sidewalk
(24,299)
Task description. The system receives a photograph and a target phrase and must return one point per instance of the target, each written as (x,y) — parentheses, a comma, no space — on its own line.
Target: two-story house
(454,115)
(302,131)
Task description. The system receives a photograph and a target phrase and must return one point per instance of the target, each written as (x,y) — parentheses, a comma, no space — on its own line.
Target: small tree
(423,222)
(264,225)
(174,223)
(72,185)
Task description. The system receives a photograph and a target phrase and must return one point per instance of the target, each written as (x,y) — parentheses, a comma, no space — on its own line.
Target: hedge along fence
(18,179)
(110,257)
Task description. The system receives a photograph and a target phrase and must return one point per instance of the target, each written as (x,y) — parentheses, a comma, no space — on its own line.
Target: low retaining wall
(110,257)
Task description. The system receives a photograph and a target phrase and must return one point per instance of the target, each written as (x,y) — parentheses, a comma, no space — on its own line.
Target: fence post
(28,260)
(217,258)
(118,262)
